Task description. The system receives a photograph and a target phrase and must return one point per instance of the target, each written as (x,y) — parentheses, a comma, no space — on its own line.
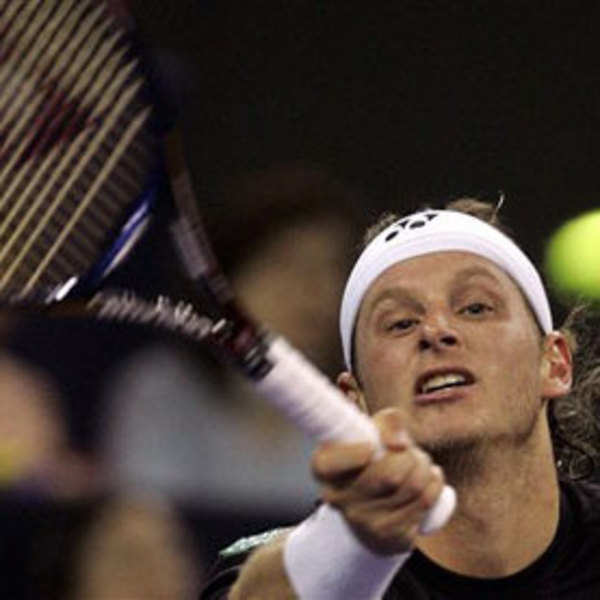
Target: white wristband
(324,561)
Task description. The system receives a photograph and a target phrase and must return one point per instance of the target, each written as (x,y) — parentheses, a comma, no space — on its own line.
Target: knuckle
(388,475)
(422,458)
(431,494)
(413,487)
(318,463)
(391,480)
(426,500)
(433,488)
(417,481)
(438,474)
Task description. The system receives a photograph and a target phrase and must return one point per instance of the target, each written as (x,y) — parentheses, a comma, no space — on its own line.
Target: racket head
(80,152)
(81,165)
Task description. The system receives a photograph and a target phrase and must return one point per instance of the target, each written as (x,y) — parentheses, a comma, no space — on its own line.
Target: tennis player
(450,345)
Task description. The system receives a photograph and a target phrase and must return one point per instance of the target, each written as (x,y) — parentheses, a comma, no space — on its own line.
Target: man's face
(447,338)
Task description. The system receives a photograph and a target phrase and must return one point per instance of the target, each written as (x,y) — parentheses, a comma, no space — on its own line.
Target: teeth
(440,381)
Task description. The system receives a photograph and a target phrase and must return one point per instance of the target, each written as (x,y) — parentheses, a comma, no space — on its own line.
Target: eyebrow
(404,295)
(399,294)
(475,271)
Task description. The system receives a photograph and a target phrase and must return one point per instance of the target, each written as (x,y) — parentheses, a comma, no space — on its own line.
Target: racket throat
(244,346)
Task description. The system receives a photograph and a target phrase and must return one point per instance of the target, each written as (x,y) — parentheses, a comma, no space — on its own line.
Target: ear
(352,390)
(556,368)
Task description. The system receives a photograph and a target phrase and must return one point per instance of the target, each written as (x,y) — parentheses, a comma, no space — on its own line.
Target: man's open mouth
(441,379)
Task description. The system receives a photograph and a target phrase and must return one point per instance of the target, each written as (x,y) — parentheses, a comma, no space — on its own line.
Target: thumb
(393,434)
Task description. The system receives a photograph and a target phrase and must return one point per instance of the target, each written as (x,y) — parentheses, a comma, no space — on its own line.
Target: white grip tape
(319,409)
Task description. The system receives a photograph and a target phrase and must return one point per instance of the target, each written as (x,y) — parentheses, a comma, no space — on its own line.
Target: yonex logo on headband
(438,231)
(412,222)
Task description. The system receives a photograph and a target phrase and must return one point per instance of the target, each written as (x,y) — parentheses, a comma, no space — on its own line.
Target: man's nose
(438,335)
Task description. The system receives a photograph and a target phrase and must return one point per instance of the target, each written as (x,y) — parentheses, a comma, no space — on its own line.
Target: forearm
(263,575)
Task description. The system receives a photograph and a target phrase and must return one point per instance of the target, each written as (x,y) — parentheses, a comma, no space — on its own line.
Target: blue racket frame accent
(135,226)
(138,220)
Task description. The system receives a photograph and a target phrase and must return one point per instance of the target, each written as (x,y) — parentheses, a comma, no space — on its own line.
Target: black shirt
(568,569)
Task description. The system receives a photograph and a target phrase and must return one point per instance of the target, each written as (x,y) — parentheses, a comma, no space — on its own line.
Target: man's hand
(383,500)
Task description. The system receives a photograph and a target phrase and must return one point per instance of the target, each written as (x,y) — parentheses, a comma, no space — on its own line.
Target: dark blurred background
(405,103)
(409,101)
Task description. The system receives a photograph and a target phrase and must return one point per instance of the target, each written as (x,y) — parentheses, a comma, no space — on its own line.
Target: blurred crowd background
(127,458)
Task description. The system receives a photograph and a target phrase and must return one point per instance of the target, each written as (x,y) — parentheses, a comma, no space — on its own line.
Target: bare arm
(263,575)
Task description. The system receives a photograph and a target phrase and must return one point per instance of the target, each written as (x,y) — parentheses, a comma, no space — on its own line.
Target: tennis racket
(81,163)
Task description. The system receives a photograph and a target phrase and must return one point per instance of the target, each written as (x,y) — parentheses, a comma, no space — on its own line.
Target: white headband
(438,231)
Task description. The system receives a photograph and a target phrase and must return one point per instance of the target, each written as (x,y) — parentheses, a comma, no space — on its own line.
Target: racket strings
(74,142)
(38,86)
(64,211)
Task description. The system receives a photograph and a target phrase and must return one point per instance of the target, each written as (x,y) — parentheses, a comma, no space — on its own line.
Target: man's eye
(475,308)
(401,324)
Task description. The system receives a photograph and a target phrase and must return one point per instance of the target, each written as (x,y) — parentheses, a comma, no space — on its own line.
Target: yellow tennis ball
(573,258)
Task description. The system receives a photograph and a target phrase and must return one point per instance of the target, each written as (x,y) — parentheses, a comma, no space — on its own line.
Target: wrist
(325,561)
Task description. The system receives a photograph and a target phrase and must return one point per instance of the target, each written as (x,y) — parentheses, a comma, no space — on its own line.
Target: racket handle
(299,390)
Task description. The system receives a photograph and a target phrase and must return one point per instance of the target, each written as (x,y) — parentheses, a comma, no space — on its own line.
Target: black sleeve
(222,576)
(227,568)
